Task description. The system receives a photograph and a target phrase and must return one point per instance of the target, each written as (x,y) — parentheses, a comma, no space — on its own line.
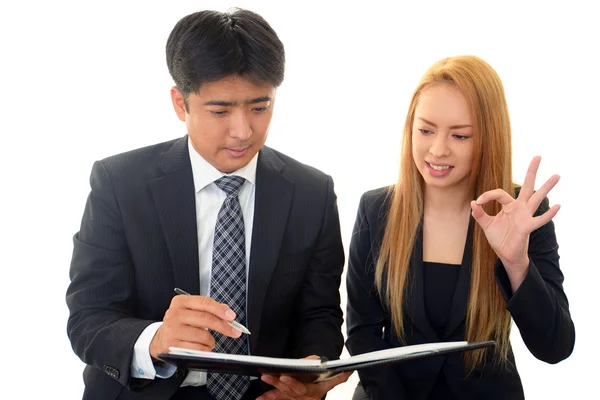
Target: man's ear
(178,103)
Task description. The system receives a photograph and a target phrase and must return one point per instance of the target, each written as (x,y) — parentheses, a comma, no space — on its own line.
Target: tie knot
(230,184)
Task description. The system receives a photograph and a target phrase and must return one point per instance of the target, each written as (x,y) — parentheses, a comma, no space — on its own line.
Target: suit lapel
(416,300)
(273,198)
(175,199)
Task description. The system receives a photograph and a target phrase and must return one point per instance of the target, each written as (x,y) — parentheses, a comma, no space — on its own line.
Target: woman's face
(442,137)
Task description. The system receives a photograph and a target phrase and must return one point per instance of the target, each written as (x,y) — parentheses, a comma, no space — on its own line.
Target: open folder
(308,370)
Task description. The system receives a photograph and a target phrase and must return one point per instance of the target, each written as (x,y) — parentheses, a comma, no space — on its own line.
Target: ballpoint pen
(235,324)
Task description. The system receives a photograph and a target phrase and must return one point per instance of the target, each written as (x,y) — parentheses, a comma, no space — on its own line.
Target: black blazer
(138,241)
(539,308)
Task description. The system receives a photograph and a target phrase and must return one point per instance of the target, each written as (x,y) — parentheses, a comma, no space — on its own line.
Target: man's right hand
(186,325)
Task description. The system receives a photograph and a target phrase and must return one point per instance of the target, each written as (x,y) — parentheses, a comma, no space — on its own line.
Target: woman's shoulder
(375,204)
(376,198)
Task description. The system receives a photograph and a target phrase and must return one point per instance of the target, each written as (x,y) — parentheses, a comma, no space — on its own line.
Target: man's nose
(240,126)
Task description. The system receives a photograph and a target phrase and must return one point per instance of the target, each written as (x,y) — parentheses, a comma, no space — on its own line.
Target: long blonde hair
(487,317)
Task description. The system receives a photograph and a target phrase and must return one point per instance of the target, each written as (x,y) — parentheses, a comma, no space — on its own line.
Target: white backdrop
(86,80)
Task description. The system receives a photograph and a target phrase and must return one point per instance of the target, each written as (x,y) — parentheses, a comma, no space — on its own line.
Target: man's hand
(186,324)
(288,388)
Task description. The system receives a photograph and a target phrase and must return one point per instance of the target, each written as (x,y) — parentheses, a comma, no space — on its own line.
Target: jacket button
(111,371)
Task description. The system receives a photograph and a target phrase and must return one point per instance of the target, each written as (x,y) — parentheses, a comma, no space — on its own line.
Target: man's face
(227,120)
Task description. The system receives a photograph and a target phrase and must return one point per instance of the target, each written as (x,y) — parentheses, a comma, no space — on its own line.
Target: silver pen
(235,324)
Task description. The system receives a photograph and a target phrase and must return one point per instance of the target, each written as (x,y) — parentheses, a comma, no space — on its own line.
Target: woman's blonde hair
(487,318)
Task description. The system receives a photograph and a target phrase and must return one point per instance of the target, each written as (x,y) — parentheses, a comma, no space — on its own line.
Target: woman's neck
(454,200)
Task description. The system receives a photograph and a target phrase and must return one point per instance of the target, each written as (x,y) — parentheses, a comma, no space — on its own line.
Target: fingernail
(230,314)
(285,379)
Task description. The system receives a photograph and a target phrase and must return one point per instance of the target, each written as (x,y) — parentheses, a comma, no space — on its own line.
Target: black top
(439,281)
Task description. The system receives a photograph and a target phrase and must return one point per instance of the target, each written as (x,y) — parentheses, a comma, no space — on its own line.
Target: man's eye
(259,109)
(218,113)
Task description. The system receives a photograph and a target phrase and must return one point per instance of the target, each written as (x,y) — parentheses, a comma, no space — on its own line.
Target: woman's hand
(508,231)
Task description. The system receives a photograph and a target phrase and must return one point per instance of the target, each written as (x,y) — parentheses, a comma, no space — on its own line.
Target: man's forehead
(235,88)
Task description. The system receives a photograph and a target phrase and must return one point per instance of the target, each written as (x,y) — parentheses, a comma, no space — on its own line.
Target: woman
(422,270)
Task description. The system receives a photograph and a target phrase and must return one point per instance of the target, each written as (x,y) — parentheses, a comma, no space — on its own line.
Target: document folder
(309,370)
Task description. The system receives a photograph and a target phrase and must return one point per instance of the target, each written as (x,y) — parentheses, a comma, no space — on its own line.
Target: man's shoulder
(132,160)
(291,167)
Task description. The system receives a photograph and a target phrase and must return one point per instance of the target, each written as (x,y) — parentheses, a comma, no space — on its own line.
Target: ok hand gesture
(508,231)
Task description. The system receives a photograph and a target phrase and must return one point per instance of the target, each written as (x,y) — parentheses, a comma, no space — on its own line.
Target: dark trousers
(201,393)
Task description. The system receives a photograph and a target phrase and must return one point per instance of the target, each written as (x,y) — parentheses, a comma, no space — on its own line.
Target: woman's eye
(461,137)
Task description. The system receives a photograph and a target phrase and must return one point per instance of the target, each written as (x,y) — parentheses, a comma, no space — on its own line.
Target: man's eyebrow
(261,99)
(224,103)
(219,103)
(452,127)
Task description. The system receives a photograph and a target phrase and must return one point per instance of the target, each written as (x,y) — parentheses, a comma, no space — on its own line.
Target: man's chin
(231,165)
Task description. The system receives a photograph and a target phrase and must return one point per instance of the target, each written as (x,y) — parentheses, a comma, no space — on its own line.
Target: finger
(204,303)
(546,217)
(479,214)
(189,334)
(312,357)
(277,383)
(192,345)
(296,386)
(529,183)
(539,196)
(326,385)
(497,194)
(336,380)
(199,319)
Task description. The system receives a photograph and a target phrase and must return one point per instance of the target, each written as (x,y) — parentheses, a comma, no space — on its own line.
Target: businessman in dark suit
(252,234)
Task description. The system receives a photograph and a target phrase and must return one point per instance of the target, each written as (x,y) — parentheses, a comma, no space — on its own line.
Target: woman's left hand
(508,231)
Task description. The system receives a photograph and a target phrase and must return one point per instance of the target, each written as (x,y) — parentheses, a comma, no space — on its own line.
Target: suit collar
(174,195)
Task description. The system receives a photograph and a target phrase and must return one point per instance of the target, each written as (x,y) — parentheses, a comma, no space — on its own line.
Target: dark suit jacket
(539,308)
(138,241)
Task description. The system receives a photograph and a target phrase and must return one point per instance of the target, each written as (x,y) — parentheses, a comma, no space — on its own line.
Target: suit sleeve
(101,295)
(319,329)
(540,307)
(366,315)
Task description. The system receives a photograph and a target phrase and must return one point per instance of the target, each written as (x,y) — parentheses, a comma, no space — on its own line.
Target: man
(252,234)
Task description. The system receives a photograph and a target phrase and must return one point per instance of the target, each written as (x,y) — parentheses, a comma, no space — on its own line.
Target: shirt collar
(204,174)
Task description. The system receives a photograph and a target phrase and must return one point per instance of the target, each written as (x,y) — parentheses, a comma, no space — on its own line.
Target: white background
(86,80)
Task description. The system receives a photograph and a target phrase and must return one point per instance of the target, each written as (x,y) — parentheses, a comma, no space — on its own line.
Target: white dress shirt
(209,199)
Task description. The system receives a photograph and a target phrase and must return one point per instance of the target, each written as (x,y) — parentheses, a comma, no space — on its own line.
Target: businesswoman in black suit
(455,249)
